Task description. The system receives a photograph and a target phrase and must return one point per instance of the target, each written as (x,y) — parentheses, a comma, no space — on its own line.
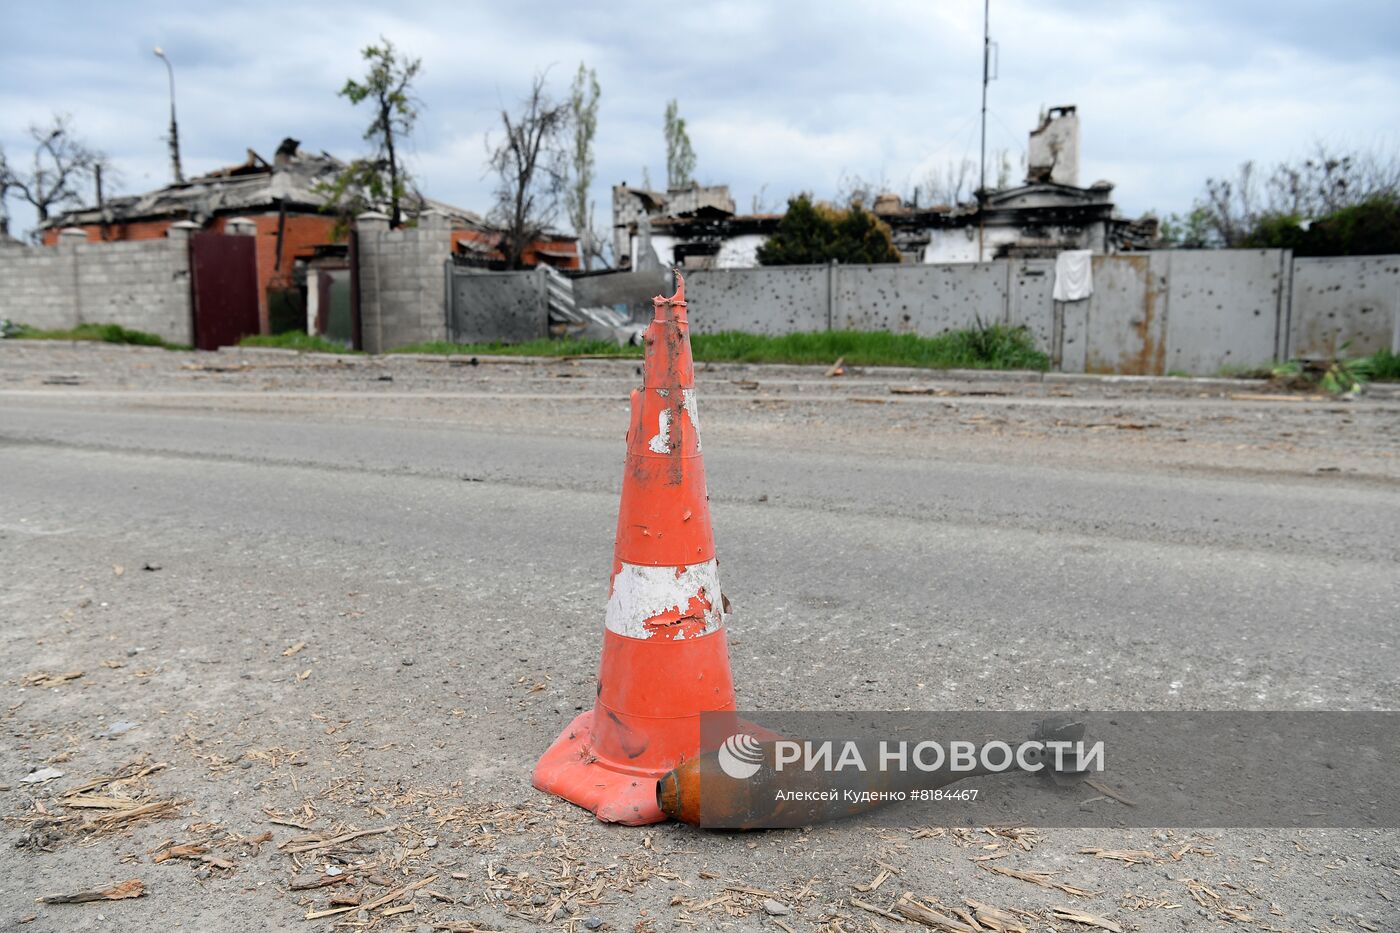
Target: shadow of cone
(665,659)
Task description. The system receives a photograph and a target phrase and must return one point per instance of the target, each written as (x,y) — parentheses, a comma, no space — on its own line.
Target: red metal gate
(225,289)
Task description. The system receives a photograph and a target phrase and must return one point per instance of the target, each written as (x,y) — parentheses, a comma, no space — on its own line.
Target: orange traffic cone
(665,659)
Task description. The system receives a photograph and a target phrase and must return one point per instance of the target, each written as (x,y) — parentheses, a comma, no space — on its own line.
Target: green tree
(680,157)
(814,232)
(1371,228)
(380,178)
(1192,231)
(583,113)
(1275,231)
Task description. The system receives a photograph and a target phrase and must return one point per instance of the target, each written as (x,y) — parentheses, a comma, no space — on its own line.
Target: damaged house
(301,249)
(693,227)
(1046,214)
(1049,212)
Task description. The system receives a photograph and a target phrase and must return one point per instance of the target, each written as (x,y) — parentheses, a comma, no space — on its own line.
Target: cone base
(569,770)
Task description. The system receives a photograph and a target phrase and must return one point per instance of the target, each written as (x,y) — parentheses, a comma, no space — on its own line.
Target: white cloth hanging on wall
(1074,275)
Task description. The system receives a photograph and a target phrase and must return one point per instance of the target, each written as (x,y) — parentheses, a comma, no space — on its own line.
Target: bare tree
(530,168)
(1327,181)
(852,188)
(759,202)
(4,195)
(680,157)
(1003,159)
(1232,204)
(381,178)
(583,115)
(62,165)
(1319,184)
(950,185)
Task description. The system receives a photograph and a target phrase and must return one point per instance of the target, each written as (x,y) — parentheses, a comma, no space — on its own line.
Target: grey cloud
(785,95)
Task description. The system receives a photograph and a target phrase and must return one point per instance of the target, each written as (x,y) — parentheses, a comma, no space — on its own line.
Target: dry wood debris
(1128,856)
(1078,916)
(106,804)
(1044,879)
(117,892)
(45,679)
(999,919)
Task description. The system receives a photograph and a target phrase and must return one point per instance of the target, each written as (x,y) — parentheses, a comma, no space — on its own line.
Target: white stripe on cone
(641,593)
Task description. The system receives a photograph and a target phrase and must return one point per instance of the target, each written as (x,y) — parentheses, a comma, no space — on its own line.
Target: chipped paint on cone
(661,442)
(692,411)
(665,602)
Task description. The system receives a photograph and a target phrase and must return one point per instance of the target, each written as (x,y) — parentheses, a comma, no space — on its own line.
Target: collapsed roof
(294,180)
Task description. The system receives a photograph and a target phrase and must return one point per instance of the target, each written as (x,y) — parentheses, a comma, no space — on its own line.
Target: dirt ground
(272,709)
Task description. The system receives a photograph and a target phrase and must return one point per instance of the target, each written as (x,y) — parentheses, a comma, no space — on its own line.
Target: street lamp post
(174,127)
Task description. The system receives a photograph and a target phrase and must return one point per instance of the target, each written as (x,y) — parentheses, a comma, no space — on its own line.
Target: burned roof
(293,180)
(704,223)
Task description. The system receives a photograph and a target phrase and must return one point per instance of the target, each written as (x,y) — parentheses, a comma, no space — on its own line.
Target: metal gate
(225,274)
(1126,328)
(488,307)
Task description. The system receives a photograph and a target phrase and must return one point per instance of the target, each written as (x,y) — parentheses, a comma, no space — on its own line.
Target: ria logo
(740,756)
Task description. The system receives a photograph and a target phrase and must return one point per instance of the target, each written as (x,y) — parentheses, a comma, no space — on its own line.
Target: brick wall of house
(134,230)
(139,284)
(302,234)
(559,252)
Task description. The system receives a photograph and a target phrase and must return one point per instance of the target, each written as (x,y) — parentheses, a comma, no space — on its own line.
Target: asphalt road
(444,571)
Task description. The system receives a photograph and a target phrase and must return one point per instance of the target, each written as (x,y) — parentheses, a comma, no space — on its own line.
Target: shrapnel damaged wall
(915,299)
(1195,311)
(140,284)
(511,307)
(772,300)
(920,299)
(1345,301)
(1200,312)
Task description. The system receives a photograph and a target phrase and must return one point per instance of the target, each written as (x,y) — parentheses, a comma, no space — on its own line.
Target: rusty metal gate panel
(496,307)
(225,289)
(1126,330)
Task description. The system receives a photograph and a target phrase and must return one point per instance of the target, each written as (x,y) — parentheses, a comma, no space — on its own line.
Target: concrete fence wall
(1225,309)
(1200,312)
(923,299)
(775,300)
(140,284)
(919,299)
(1351,300)
(1194,311)
(511,307)
(403,295)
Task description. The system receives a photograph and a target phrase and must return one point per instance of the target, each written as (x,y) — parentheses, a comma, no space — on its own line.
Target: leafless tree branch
(531,170)
(61,164)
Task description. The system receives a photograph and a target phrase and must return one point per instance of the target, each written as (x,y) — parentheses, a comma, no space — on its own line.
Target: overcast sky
(779,97)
